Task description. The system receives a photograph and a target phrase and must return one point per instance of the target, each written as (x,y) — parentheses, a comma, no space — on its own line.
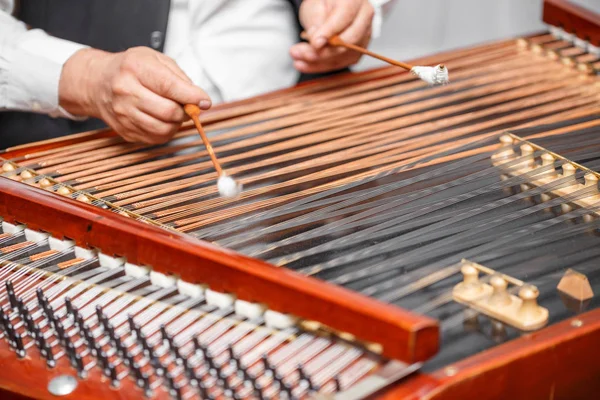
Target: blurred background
(414,28)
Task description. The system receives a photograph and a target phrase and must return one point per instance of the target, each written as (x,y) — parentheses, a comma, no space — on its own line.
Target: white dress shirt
(233,49)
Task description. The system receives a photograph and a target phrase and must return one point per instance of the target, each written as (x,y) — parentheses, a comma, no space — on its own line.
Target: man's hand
(351,20)
(139,93)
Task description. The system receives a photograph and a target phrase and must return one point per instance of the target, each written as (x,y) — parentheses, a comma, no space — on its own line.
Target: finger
(303,52)
(360,27)
(152,130)
(313,15)
(172,65)
(162,81)
(158,107)
(338,20)
(329,65)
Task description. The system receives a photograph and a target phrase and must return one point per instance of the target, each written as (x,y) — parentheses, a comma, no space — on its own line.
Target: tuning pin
(164,334)
(3,319)
(60,330)
(199,347)
(136,370)
(133,327)
(145,345)
(19,347)
(283,388)
(222,379)
(102,319)
(40,340)
(110,331)
(102,358)
(303,377)
(39,292)
(147,389)
(177,353)
(49,312)
(89,338)
(267,365)
(78,365)
(71,350)
(233,360)
(247,376)
(50,360)
(171,384)
(156,364)
(10,333)
(112,375)
(121,349)
(188,369)
(69,305)
(10,291)
(212,367)
(338,383)
(259,391)
(203,391)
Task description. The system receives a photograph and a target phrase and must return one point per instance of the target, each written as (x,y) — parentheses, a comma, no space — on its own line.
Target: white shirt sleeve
(380,7)
(30,66)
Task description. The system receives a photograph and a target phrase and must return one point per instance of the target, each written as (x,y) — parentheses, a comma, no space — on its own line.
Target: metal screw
(450,371)
(62,385)
(576,323)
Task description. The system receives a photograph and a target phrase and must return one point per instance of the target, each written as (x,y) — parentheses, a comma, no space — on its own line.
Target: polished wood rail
(574,19)
(558,362)
(402,335)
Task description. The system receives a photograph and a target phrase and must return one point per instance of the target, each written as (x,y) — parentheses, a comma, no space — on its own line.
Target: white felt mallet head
(434,76)
(228,187)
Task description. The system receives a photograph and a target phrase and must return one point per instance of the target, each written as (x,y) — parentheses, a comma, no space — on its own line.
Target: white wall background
(414,28)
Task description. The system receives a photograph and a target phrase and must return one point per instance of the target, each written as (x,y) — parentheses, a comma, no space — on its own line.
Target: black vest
(110,25)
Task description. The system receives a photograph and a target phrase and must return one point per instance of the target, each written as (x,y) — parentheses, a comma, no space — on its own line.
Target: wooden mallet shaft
(194,113)
(336,41)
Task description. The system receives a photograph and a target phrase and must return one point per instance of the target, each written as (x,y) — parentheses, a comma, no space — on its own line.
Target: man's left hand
(351,20)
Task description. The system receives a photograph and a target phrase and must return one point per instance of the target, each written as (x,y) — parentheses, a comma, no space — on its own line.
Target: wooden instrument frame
(561,361)
(573,19)
(564,356)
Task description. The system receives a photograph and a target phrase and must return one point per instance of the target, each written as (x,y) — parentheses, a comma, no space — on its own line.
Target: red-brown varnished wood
(574,19)
(404,335)
(558,362)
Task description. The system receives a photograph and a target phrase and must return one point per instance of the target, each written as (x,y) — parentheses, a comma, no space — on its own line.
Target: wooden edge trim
(573,18)
(561,361)
(403,335)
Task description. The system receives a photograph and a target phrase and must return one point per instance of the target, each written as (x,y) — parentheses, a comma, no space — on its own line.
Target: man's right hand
(139,93)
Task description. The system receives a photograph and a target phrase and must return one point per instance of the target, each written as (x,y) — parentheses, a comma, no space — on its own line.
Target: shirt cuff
(35,70)
(377,23)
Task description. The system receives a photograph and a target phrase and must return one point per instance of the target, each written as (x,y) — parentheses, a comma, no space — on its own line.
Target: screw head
(576,323)
(62,385)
